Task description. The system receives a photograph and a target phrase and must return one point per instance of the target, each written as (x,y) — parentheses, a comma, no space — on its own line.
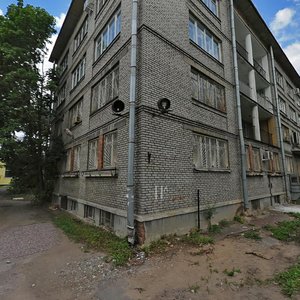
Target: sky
(282,17)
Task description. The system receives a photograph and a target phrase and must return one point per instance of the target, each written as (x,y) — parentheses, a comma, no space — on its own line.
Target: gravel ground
(26,240)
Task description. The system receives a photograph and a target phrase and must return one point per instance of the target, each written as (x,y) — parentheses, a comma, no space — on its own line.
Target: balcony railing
(242,51)
(265,102)
(259,69)
(245,89)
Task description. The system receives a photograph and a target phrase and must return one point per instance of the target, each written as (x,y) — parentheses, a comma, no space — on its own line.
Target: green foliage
(195,238)
(231,272)
(253,234)
(286,230)
(239,219)
(215,228)
(156,247)
(26,96)
(95,238)
(289,280)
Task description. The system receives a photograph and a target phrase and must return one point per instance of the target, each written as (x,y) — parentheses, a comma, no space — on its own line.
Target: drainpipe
(131,143)
(239,111)
(286,183)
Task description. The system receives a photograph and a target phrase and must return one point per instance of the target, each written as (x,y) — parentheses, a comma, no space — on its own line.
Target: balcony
(259,69)
(265,102)
(245,89)
(242,51)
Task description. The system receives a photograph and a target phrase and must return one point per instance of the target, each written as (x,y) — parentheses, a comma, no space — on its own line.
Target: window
(253,159)
(69,161)
(76,163)
(93,155)
(8,173)
(279,78)
(61,95)
(89,212)
(106,219)
(78,72)
(210,153)
(212,5)
(75,114)
(110,150)
(293,115)
(275,163)
(290,90)
(73,159)
(72,205)
(285,133)
(64,63)
(289,164)
(81,34)
(294,138)
(282,105)
(105,90)
(204,38)
(100,4)
(208,91)
(108,34)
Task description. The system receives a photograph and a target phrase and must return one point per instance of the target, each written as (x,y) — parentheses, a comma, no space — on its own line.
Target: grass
(156,247)
(287,230)
(289,280)
(253,234)
(95,238)
(239,219)
(232,272)
(195,238)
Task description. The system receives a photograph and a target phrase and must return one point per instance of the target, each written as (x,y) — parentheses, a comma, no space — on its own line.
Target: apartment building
(220,146)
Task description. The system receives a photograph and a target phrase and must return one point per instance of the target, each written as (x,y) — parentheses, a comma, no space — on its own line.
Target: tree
(26,96)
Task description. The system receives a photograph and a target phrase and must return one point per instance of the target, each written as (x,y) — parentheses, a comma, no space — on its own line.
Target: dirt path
(37,261)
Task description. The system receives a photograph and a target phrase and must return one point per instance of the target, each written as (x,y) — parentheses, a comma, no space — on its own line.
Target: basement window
(89,212)
(72,205)
(106,219)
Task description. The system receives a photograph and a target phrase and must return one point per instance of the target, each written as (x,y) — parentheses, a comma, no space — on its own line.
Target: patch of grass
(289,280)
(239,219)
(224,223)
(253,234)
(214,229)
(232,272)
(194,288)
(155,247)
(195,238)
(286,230)
(95,238)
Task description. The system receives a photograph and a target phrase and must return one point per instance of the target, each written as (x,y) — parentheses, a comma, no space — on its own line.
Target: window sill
(107,49)
(102,107)
(70,175)
(104,173)
(75,125)
(275,174)
(254,174)
(211,170)
(211,108)
(206,53)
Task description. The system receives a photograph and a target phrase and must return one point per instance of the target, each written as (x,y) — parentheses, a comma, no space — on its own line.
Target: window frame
(205,88)
(205,33)
(204,154)
(76,112)
(97,93)
(100,41)
(208,4)
(95,143)
(113,151)
(78,73)
(89,212)
(81,34)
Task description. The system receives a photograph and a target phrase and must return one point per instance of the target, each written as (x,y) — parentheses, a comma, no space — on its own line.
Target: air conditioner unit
(267,155)
(88,6)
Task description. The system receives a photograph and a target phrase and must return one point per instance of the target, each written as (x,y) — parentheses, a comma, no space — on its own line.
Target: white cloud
(1,12)
(60,20)
(293,53)
(282,19)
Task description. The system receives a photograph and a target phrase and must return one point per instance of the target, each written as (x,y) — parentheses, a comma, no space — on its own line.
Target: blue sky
(282,16)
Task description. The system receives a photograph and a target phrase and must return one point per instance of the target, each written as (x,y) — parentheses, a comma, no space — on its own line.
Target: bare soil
(64,271)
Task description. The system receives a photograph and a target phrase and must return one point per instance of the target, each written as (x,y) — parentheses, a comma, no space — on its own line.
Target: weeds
(253,234)
(95,238)
(239,219)
(289,280)
(214,229)
(194,288)
(286,230)
(155,247)
(232,272)
(195,238)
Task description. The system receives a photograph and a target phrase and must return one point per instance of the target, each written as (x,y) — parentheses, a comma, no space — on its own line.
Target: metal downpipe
(239,112)
(131,142)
